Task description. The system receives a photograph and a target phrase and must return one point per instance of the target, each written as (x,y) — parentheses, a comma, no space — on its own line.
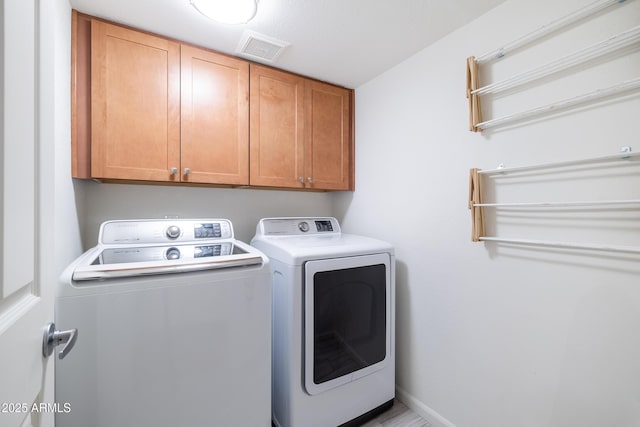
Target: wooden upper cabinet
(300,132)
(215,117)
(148,108)
(328,146)
(135,104)
(277,128)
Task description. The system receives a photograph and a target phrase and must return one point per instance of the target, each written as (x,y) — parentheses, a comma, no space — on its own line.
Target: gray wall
(244,207)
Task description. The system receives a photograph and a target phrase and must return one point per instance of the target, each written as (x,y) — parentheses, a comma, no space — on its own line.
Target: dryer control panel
(298,226)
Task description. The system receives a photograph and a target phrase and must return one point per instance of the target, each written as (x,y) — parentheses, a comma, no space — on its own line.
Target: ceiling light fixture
(227,11)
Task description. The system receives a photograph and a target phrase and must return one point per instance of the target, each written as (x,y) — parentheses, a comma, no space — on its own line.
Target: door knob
(53,338)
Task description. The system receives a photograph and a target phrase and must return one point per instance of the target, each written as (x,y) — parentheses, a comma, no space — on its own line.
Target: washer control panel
(163,231)
(298,226)
(119,255)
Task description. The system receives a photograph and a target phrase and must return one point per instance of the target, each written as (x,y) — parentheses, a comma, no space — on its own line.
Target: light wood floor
(398,416)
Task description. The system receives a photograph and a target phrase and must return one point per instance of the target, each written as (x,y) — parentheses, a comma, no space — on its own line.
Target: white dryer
(173,320)
(333,322)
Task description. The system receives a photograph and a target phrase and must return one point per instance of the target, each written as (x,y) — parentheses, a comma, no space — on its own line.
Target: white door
(25,304)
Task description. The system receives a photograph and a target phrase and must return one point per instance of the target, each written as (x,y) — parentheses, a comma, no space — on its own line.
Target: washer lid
(130,260)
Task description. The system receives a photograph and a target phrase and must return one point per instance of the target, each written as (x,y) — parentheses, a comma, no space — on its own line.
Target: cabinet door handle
(309,180)
(174,170)
(187,171)
(301,179)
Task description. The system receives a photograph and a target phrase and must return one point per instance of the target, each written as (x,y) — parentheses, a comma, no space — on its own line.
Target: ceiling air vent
(259,47)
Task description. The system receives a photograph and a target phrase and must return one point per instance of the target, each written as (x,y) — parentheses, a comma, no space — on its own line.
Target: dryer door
(346,319)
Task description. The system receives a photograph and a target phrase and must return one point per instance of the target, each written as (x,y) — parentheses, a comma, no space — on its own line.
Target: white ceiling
(345,42)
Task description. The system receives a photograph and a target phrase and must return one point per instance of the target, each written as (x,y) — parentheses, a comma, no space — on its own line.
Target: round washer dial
(303,226)
(173,232)
(173,253)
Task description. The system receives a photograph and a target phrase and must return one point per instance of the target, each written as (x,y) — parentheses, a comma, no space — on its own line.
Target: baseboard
(421,409)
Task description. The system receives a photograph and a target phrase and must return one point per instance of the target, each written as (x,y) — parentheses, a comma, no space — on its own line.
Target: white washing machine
(333,322)
(173,320)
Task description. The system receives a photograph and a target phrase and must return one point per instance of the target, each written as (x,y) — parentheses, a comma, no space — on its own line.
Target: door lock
(53,338)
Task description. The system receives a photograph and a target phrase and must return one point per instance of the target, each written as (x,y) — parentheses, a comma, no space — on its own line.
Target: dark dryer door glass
(346,318)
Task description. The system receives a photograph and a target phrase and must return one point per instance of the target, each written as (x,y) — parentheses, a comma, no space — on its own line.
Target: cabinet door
(277,128)
(215,118)
(135,104)
(328,145)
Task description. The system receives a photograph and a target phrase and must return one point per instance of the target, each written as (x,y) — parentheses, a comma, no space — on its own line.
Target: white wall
(496,335)
(486,335)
